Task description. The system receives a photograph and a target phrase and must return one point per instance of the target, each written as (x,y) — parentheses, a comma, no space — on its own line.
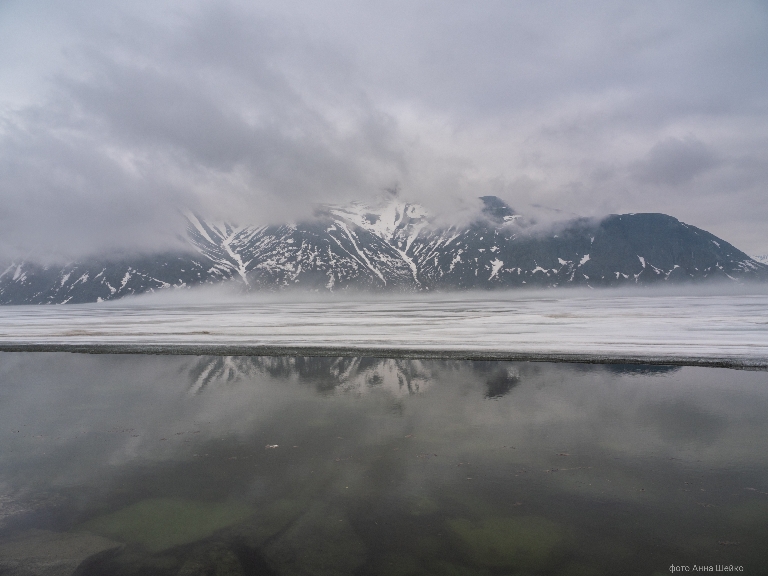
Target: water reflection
(641,369)
(399,376)
(247,465)
(359,374)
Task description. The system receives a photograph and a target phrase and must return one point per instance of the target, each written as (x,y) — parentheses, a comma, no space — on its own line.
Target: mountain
(99,279)
(620,249)
(329,252)
(395,247)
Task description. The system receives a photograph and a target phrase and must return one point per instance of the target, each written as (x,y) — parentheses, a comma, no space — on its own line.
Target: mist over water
(234,292)
(378,466)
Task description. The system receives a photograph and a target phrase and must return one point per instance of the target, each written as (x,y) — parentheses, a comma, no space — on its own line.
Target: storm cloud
(115,118)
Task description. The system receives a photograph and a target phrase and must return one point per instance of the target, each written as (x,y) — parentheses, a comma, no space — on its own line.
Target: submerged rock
(520,543)
(161,523)
(46,553)
(322,543)
(211,557)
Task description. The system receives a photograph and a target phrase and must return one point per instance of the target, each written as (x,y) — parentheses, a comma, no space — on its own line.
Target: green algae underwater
(160,465)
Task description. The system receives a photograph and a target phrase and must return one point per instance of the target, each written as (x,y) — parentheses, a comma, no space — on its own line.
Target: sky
(115,118)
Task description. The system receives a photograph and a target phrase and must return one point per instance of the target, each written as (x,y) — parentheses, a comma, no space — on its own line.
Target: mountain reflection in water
(360,374)
(277,465)
(401,376)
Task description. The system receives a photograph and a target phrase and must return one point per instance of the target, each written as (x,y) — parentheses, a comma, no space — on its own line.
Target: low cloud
(675,161)
(126,115)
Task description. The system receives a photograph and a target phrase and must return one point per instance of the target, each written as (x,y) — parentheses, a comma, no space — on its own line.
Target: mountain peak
(497,210)
(391,220)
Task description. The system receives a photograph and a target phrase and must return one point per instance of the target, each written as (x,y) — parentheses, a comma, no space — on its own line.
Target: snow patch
(360,252)
(456,259)
(241,266)
(496,266)
(198,226)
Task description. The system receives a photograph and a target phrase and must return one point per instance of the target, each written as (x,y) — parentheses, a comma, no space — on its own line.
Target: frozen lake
(724,330)
(318,437)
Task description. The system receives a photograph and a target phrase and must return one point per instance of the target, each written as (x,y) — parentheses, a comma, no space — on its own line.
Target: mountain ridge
(395,247)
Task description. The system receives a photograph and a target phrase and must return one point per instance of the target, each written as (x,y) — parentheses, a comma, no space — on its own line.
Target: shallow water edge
(733,362)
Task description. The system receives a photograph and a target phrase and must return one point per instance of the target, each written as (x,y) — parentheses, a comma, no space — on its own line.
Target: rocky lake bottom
(192,465)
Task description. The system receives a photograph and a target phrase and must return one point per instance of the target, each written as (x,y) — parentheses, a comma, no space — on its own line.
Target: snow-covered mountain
(620,249)
(102,279)
(329,252)
(394,246)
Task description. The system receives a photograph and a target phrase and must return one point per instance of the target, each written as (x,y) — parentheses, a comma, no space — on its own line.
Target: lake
(138,464)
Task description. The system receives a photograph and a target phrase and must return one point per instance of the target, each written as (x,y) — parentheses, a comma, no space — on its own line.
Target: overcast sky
(116,116)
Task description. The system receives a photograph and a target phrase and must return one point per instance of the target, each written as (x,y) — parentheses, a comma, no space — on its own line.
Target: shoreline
(196,349)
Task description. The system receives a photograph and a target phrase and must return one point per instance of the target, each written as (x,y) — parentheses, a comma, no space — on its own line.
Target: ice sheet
(723,330)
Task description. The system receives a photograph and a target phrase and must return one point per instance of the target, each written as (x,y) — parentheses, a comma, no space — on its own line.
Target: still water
(166,465)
